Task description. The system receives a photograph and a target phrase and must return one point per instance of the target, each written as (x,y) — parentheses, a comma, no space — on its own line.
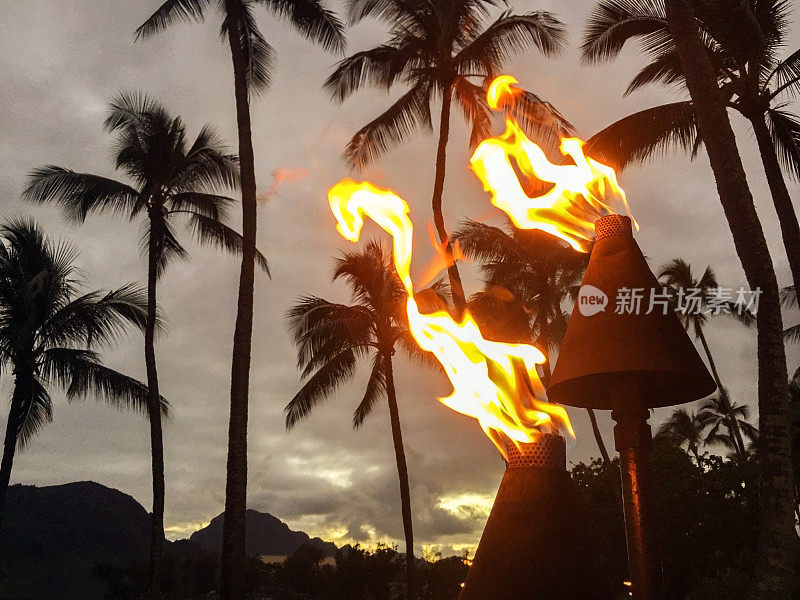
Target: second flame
(494,382)
(580,194)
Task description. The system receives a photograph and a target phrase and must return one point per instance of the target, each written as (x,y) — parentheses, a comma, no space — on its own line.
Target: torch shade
(535,544)
(622,350)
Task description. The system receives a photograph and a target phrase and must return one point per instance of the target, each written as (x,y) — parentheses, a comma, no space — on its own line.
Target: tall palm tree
(441,50)
(794,398)
(252,58)
(678,278)
(50,334)
(537,271)
(173,182)
(743,40)
(776,498)
(331,338)
(684,428)
(719,412)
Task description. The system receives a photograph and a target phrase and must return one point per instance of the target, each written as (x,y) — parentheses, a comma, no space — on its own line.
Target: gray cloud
(61,62)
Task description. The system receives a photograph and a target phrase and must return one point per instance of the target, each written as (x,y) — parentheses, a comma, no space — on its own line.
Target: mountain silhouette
(265,535)
(55,537)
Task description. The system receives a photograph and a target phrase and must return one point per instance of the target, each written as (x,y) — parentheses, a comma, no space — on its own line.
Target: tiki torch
(629,358)
(621,351)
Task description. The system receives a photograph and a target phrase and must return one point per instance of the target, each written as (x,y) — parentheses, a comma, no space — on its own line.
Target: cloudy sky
(61,62)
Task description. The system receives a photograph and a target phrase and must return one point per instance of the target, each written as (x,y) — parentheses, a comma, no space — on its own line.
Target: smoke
(280,176)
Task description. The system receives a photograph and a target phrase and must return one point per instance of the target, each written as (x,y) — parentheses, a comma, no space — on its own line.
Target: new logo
(591,300)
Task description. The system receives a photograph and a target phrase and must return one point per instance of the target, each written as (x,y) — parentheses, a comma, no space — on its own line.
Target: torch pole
(633,441)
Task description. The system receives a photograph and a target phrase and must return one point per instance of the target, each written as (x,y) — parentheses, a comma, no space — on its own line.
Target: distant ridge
(265,535)
(54,536)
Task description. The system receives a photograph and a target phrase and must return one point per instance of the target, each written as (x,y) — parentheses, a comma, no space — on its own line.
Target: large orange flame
(489,378)
(581,193)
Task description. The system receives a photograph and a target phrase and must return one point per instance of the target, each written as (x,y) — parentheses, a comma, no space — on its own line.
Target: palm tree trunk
(233,537)
(733,425)
(787,218)
(402,471)
(456,288)
(776,511)
(154,411)
(598,437)
(10,441)
(21,390)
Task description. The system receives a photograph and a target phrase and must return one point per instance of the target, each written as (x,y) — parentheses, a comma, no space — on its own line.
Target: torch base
(535,544)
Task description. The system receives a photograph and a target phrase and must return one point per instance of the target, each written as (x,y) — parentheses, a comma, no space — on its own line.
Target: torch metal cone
(535,544)
(604,351)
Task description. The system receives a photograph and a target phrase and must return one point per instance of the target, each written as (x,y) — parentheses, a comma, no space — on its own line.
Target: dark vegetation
(90,542)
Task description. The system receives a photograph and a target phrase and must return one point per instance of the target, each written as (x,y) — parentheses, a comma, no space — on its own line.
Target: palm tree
(678,278)
(718,412)
(331,338)
(536,271)
(440,50)
(173,182)
(794,398)
(50,335)
(252,59)
(743,40)
(684,428)
(776,507)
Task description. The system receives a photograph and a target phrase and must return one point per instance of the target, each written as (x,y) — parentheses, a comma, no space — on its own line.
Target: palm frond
(472,100)
(612,23)
(206,166)
(665,68)
(792,334)
(37,278)
(212,232)
(785,130)
(509,34)
(677,273)
(133,110)
(482,242)
(81,374)
(96,318)
(80,193)
(213,206)
(749,430)
(388,10)
(410,112)
(37,412)
(683,427)
(726,440)
(645,134)
(170,12)
(321,329)
(376,388)
(378,67)
(787,75)
(320,385)
(312,19)
(372,279)
(789,296)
